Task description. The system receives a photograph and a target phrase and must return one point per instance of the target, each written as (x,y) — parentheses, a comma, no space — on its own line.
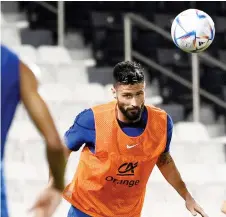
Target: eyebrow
(129,93)
(126,93)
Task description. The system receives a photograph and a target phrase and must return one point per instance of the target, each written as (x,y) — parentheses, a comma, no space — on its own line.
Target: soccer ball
(193,31)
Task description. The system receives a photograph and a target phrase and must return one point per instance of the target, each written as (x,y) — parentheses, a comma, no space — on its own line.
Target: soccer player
(124,140)
(18,83)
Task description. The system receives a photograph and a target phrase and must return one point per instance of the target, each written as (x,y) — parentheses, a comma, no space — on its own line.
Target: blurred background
(73,46)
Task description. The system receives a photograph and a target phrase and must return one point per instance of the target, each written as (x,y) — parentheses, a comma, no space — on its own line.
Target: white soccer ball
(193,31)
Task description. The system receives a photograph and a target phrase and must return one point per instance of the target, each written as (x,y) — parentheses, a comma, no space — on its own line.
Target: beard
(133,113)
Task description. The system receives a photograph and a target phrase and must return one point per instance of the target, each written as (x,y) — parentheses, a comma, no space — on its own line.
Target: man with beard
(124,140)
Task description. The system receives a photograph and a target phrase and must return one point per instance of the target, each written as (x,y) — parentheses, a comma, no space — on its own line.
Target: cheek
(140,99)
(121,99)
(123,102)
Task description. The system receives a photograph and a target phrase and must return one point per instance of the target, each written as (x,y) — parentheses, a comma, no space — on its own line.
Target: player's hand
(194,207)
(223,208)
(46,203)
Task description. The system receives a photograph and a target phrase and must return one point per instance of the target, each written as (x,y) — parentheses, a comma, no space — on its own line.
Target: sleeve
(169,133)
(82,131)
(10,62)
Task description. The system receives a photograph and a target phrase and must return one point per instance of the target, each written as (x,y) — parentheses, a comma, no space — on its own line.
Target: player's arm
(67,153)
(223,208)
(82,131)
(39,113)
(170,172)
(167,166)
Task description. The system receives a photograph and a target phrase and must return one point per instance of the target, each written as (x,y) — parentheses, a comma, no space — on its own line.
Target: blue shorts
(74,212)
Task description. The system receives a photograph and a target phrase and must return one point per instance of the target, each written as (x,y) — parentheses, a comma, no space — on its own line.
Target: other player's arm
(39,113)
(223,208)
(82,131)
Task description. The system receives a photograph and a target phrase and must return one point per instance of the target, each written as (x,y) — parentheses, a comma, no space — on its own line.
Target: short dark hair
(128,72)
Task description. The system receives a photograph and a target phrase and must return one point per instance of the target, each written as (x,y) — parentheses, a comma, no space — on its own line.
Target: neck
(121,117)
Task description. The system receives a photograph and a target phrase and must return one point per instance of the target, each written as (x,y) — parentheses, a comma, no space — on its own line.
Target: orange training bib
(112,182)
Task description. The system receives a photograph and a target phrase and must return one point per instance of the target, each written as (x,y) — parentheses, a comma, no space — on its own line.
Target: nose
(134,102)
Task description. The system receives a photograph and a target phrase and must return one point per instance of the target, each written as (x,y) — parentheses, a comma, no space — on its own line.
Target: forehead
(130,88)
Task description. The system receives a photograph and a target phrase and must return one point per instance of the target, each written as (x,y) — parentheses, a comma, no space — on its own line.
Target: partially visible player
(18,83)
(223,208)
(124,140)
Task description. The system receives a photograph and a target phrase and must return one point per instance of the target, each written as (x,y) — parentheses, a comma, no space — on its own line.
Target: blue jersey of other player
(10,97)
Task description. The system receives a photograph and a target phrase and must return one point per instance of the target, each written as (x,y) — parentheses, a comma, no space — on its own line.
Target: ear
(113,92)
